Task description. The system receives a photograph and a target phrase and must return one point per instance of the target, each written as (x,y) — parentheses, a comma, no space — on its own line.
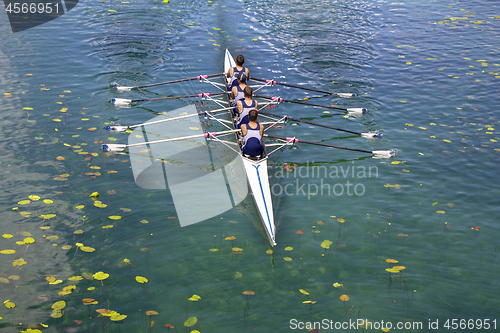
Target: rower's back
(252,135)
(243,106)
(238,89)
(234,72)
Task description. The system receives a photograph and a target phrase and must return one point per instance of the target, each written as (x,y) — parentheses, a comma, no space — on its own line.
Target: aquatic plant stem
(299,232)
(345,306)
(350,311)
(75,253)
(477,240)
(187,313)
(102,292)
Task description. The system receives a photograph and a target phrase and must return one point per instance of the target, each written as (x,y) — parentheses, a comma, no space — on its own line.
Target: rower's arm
(234,91)
(230,72)
(247,73)
(261,130)
(239,106)
(244,129)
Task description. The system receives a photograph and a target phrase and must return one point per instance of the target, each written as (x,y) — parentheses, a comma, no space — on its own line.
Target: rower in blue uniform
(252,135)
(234,71)
(238,88)
(243,106)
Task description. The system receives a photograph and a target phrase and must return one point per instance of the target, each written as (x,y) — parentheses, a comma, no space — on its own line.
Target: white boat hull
(258,179)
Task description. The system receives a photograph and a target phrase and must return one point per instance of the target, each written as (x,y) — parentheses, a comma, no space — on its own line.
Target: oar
(279,99)
(119,128)
(365,135)
(124,101)
(376,153)
(199,77)
(111,147)
(344,95)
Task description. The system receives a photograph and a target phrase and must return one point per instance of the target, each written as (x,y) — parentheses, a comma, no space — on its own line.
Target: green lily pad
(190,321)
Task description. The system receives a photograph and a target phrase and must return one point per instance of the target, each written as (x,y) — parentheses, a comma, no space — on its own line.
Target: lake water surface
(427,71)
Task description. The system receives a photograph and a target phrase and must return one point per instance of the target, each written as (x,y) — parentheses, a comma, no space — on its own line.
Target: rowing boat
(255,170)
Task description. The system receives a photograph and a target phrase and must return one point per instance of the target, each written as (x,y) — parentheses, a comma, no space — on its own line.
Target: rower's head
(253,115)
(242,77)
(248,92)
(240,60)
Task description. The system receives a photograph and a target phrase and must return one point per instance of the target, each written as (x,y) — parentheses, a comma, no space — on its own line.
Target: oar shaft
(206,135)
(176,97)
(304,103)
(180,80)
(310,123)
(177,118)
(313,104)
(316,143)
(165,120)
(293,86)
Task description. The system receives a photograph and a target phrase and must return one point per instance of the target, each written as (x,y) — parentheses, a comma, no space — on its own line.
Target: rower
(237,90)
(243,106)
(252,135)
(233,71)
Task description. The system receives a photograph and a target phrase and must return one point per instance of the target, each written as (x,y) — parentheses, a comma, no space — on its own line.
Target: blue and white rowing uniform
(240,95)
(253,139)
(244,114)
(234,81)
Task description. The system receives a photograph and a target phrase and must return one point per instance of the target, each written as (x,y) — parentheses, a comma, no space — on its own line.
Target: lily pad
(59,305)
(141,279)
(100,276)
(190,321)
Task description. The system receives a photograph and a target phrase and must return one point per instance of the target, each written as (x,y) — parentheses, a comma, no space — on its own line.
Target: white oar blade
(372,135)
(123,88)
(357,110)
(116,128)
(112,147)
(346,95)
(121,101)
(383,153)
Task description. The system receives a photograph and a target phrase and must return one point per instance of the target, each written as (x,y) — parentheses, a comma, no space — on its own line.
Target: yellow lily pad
(326,244)
(100,276)
(119,317)
(141,279)
(29,240)
(59,305)
(75,278)
(9,305)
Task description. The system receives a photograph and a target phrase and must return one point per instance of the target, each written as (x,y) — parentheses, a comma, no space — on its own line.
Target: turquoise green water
(429,74)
